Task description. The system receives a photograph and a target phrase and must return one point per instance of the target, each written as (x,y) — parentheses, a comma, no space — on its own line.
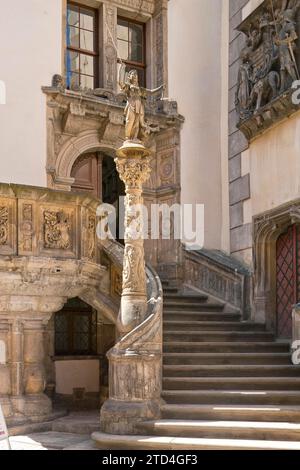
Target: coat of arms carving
(57,230)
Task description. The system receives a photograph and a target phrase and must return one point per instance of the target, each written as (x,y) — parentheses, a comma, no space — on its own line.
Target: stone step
(226,358)
(223,429)
(210,347)
(185,335)
(232,412)
(243,370)
(236,397)
(185,298)
(192,307)
(188,325)
(202,316)
(170,290)
(110,441)
(231,383)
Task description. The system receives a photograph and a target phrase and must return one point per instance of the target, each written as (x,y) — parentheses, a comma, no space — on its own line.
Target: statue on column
(136,129)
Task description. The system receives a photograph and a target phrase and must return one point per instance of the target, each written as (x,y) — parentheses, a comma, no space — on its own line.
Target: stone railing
(44,223)
(220,275)
(135,362)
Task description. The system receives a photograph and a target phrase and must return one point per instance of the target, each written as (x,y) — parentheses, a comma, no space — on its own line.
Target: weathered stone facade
(81,122)
(48,254)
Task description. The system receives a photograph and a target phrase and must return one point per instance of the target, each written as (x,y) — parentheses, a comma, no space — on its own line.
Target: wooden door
(287,278)
(87,174)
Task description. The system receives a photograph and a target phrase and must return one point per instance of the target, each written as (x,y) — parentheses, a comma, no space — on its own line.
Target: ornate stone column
(133,165)
(5,373)
(135,361)
(28,365)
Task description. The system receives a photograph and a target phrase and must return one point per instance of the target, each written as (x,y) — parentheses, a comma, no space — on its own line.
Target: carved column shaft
(134,168)
(17,357)
(109,40)
(34,357)
(5,376)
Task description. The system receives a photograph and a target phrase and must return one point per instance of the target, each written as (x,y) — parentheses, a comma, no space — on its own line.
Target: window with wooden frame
(82,55)
(76,329)
(132,47)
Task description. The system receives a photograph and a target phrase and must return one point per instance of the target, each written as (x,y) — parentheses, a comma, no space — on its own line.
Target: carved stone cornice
(142,6)
(78,121)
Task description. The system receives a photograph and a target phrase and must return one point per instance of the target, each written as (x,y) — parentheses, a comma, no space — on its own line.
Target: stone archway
(267,229)
(87,141)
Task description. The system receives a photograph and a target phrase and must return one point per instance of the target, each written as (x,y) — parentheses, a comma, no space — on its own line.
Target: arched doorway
(287,278)
(96,173)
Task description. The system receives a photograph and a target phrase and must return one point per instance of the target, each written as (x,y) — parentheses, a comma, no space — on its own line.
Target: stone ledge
(272,113)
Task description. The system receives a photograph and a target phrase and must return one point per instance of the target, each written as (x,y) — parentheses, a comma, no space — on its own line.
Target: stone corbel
(74,109)
(114,129)
(60,182)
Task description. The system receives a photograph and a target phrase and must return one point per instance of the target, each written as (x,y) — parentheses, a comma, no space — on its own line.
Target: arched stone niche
(267,228)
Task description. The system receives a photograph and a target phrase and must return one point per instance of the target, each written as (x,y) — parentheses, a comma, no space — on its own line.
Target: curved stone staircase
(227,383)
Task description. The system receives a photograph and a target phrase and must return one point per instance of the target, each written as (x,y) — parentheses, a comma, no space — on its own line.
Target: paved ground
(71,432)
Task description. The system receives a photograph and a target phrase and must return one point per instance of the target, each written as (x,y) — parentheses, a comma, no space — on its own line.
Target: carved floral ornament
(3,225)
(132,172)
(269,63)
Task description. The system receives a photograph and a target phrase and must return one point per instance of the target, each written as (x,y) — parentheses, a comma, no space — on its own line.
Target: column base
(121,417)
(32,405)
(6,406)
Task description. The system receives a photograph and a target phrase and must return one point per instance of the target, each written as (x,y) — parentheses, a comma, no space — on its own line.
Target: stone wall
(239,177)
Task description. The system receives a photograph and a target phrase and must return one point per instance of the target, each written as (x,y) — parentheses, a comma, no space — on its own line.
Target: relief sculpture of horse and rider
(268,61)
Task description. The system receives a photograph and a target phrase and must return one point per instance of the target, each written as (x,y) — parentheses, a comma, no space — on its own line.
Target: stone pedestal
(134,391)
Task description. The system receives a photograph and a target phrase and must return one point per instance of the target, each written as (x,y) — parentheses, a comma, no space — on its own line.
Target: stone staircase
(227,383)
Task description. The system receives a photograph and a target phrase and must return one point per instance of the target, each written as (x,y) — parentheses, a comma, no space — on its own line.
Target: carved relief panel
(8,223)
(58,231)
(269,65)
(27,232)
(88,237)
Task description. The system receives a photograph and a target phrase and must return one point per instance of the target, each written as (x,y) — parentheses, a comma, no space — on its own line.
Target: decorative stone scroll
(26,229)
(269,66)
